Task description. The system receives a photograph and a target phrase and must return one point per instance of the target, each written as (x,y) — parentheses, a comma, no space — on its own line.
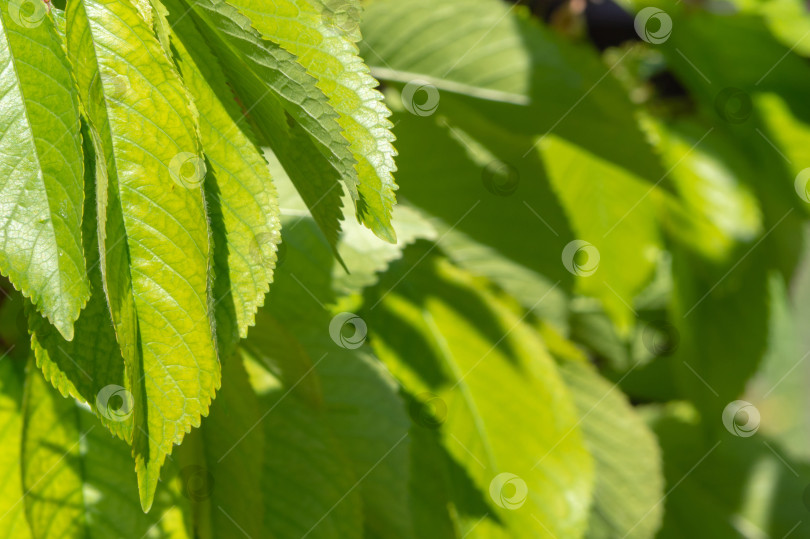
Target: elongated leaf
(481,376)
(221,462)
(300,443)
(153,229)
(629,479)
(40,167)
(613,214)
(492,57)
(242,200)
(372,427)
(372,424)
(84,367)
(77,476)
(13,524)
(722,208)
(288,109)
(327,50)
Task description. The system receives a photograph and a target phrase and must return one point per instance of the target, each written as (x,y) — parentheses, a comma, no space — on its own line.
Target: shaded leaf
(629,480)
(483,378)
(77,476)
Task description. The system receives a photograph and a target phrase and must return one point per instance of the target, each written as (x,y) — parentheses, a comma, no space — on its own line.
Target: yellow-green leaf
(40,167)
(153,229)
(325,45)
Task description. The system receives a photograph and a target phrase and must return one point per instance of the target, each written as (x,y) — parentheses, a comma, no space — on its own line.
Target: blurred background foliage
(677,155)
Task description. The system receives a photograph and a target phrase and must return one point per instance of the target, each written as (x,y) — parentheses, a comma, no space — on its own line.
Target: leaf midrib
(447,358)
(35,152)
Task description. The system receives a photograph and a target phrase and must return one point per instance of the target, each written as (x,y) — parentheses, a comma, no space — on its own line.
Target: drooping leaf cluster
(540,340)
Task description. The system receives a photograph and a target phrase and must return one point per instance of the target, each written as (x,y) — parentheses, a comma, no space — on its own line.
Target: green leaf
(482,377)
(84,367)
(433,492)
(221,462)
(288,110)
(629,479)
(372,424)
(153,229)
(366,256)
(613,214)
(242,201)
(783,370)
(13,524)
(372,427)
(499,62)
(327,50)
(758,107)
(714,208)
(41,168)
(303,459)
(720,481)
(77,478)
(480,228)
